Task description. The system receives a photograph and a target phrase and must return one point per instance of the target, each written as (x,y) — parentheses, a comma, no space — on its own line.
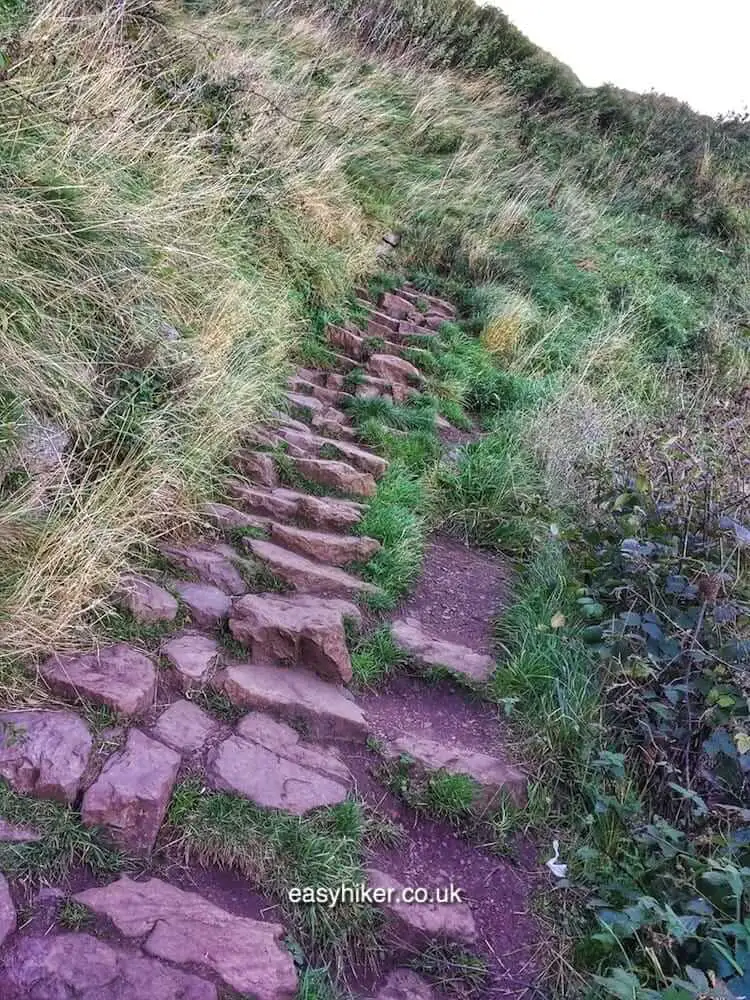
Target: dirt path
(243,690)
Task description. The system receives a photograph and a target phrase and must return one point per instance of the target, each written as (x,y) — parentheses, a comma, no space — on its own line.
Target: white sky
(698,52)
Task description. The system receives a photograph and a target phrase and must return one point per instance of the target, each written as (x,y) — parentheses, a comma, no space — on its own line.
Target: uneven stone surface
(182,927)
(81,967)
(258,466)
(212,564)
(403,984)
(288,505)
(327,710)
(296,630)
(333,397)
(337,550)
(430,652)
(184,727)
(350,343)
(226,516)
(193,656)
(386,366)
(11,833)
(7,911)
(434,304)
(130,796)
(336,475)
(305,575)
(314,408)
(207,604)
(145,600)
(313,444)
(420,923)
(44,752)
(491,775)
(120,676)
(264,761)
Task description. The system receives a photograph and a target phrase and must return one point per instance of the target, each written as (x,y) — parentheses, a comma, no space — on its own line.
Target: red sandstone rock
(428,652)
(120,676)
(212,564)
(183,927)
(305,575)
(44,753)
(208,605)
(421,923)
(129,799)
(336,475)
(193,656)
(259,466)
(328,711)
(296,630)
(337,550)
(145,600)
(184,727)
(7,912)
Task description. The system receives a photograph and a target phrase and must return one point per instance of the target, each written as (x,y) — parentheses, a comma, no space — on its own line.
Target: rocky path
(297,739)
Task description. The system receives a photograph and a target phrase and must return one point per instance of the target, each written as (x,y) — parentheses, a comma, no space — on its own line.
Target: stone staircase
(178,944)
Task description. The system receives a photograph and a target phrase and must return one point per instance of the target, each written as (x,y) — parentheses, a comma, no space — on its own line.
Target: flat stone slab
(313,444)
(296,630)
(129,799)
(336,550)
(492,776)
(305,575)
(266,762)
(420,923)
(11,833)
(7,911)
(327,710)
(394,369)
(403,984)
(184,727)
(226,516)
(81,967)
(327,513)
(183,927)
(194,657)
(434,653)
(336,475)
(120,676)
(208,605)
(146,601)
(212,564)
(44,753)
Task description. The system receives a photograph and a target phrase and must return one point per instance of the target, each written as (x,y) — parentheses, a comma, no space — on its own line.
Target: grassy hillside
(188,191)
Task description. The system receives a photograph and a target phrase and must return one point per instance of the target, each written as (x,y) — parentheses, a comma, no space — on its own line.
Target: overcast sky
(698,52)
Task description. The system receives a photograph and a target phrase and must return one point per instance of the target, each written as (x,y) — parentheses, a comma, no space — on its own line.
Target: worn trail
(299,739)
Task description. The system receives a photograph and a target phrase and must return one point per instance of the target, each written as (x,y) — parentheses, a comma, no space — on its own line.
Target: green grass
(276,852)
(490,497)
(375,657)
(65,843)
(394,519)
(453,969)
(74,916)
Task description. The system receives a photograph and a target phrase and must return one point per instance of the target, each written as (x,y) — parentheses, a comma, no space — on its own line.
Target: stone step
(73,965)
(212,564)
(258,466)
(332,397)
(208,606)
(226,517)
(336,475)
(146,601)
(383,318)
(314,410)
(129,798)
(266,762)
(336,550)
(193,656)
(44,753)
(184,727)
(8,915)
(346,341)
(327,513)
(119,676)
(393,369)
(429,652)
(492,776)
(415,296)
(419,924)
(313,444)
(182,927)
(393,304)
(296,630)
(327,711)
(305,575)
(370,387)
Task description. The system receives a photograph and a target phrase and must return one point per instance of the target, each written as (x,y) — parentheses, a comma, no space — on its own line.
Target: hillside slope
(190,192)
